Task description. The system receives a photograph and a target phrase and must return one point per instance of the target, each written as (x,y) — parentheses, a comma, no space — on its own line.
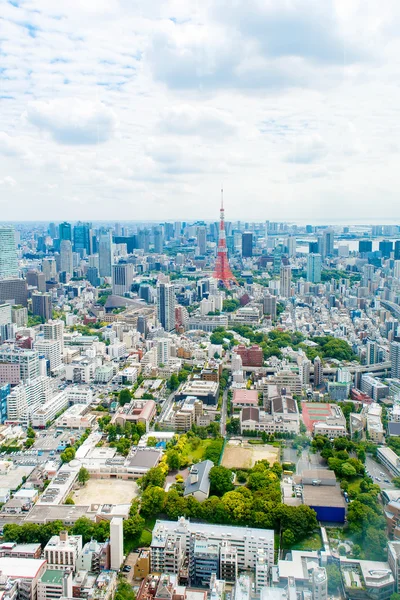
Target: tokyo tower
(222,269)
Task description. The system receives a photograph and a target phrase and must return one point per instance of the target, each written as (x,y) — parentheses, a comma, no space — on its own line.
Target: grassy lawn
(354,485)
(312,542)
(196,454)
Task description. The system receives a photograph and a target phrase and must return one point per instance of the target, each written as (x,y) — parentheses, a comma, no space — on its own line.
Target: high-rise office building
(364,246)
(52,230)
(291,245)
(329,238)
(313,247)
(395,359)
(92,275)
(41,306)
(166,305)
(201,239)
(158,240)
(8,252)
(269,305)
(314,262)
(105,254)
(82,238)
(65,231)
(14,291)
(122,278)
(247,244)
(36,279)
(49,268)
(397,250)
(396,269)
(277,259)
(66,258)
(285,281)
(386,248)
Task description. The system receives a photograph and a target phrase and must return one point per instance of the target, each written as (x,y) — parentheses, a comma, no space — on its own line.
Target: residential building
(285,281)
(66,259)
(54,330)
(251,356)
(51,350)
(166,305)
(18,365)
(54,584)
(116,543)
(61,551)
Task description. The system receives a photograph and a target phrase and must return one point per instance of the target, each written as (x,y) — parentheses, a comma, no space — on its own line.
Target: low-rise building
(197,483)
(389,459)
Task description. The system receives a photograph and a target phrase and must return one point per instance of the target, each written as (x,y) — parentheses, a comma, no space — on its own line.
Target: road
(375,469)
(223,413)
(166,406)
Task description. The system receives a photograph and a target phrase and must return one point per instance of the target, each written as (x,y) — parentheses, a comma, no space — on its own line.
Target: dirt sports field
(242,455)
(106,491)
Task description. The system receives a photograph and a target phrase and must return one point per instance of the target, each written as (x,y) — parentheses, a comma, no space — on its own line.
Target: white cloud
(73,121)
(119,109)
(8,181)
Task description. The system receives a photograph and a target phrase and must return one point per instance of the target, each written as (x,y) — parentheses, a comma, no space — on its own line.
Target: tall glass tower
(8,252)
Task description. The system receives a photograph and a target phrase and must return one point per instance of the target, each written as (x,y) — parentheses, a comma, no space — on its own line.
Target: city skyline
(120,110)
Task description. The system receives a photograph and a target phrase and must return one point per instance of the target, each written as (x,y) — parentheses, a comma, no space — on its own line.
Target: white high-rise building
(66,259)
(166,305)
(291,245)
(54,330)
(163,351)
(286,280)
(8,252)
(202,239)
(116,543)
(5,314)
(51,350)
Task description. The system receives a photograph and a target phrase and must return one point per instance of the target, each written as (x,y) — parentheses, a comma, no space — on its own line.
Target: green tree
(334,578)
(83,476)
(152,441)
(173,382)
(173,460)
(152,501)
(124,591)
(288,538)
(30,433)
(396,482)
(347,470)
(125,396)
(154,476)
(220,480)
(69,500)
(67,455)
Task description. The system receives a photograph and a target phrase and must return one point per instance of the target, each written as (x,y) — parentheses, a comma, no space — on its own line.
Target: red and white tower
(222,269)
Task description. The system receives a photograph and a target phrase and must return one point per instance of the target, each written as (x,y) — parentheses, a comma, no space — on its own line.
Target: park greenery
(273,342)
(366,525)
(257,503)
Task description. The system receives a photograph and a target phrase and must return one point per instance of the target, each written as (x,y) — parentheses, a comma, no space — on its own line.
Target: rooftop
(53,576)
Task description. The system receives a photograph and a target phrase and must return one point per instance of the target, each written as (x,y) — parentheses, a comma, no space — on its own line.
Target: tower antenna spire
(222,197)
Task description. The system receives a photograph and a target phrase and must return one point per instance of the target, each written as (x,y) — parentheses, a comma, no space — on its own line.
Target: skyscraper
(397,250)
(105,254)
(329,238)
(314,262)
(364,246)
(122,278)
(386,247)
(66,262)
(247,244)
(8,252)
(82,238)
(54,330)
(41,306)
(395,359)
(285,280)
(166,305)
(318,372)
(202,239)
(64,231)
(291,245)
(158,240)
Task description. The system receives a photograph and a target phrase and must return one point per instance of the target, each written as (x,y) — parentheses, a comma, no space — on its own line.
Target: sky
(135,110)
